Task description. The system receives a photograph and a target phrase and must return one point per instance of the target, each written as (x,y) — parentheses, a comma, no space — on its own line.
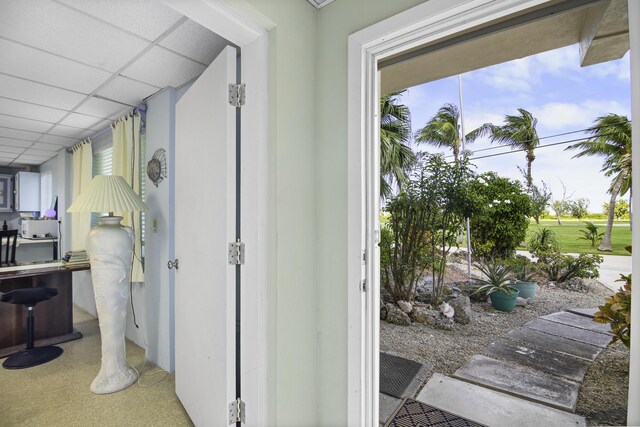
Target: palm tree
(443,130)
(611,139)
(519,132)
(396,158)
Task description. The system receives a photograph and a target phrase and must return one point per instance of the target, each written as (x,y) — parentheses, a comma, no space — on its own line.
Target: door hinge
(236,411)
(236,253)
(236,94)
(364,256)
(363,285)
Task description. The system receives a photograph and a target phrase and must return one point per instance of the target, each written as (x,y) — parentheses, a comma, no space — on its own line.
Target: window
(46,190)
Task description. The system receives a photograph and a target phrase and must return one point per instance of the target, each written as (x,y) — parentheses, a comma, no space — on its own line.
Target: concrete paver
(578,321)
(570,332)
(588,312)
(521,382)
(490,407)
(558,364)
(554,343)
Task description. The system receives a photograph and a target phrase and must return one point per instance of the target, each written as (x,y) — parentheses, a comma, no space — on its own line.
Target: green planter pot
(504,302)
(527,289)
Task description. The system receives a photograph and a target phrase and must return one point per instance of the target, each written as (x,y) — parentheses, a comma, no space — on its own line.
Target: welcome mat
(396,373)
(417,414)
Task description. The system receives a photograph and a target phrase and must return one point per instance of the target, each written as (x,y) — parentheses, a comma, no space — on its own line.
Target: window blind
(46,190)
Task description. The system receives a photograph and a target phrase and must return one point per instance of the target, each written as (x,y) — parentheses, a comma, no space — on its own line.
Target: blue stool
(31,356)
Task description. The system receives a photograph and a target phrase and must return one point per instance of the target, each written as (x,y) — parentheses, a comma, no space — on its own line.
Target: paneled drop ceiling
(68,68)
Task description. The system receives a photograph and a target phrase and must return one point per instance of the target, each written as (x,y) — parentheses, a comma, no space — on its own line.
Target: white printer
(39,228)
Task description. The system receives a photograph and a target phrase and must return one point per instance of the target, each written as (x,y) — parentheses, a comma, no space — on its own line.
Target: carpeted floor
(57,393)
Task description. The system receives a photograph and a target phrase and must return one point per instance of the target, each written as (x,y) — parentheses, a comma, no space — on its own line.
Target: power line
(539,146)
(552,136)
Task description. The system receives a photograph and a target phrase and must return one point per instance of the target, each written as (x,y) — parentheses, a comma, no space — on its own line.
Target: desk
(53,318)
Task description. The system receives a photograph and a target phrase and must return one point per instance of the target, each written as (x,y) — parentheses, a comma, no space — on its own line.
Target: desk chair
(31,356)
(9,235)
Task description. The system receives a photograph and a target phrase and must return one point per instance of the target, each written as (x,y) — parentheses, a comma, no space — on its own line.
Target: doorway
(435,25)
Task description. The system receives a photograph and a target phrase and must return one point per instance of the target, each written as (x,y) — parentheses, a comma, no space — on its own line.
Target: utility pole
(463,139)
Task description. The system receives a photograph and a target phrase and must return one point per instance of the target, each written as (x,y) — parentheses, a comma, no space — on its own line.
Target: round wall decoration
(157,167)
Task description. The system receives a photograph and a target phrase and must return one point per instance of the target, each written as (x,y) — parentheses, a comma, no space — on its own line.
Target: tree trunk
(529,179)
(606,241)
(558,216)
(537,218)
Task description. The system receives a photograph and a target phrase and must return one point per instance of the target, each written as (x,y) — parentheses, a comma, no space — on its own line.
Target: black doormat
(417,414)
(396,374)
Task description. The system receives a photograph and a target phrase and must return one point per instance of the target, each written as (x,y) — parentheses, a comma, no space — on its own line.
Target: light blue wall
(154,299)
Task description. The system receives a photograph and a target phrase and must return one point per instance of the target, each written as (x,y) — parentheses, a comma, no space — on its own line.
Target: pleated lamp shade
(108,193)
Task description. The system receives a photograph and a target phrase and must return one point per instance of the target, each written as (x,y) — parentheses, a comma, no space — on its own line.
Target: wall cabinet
(27,191)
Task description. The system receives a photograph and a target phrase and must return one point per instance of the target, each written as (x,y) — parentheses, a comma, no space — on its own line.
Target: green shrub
(500,219)
(559,267)
(541,241)
(497,277)
(617,312)
(423,223)
(591,233)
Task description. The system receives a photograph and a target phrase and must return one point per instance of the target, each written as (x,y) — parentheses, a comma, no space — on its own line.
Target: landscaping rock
(462,308)
(424,316)
(405,306)
(522,301)
(575,284)
(397,316)
(383,311)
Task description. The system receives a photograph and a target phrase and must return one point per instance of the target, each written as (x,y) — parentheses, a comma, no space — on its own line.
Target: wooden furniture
(8,238)
(54,318)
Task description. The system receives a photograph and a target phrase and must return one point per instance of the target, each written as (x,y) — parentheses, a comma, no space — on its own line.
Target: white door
(205,201)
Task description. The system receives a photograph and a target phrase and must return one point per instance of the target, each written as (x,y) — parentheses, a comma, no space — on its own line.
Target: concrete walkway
(529,377)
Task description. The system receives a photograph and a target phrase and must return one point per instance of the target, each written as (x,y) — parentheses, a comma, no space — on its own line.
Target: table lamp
(110,249)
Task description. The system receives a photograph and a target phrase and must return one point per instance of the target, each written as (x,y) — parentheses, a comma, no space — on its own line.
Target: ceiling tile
(35,154)
(15,142)
(30,111)
(33,64)
(6,150)
(23,124)
(74,35)
(193,40)
(125,90)
(84,121)
(25,90)
(54,148)
(58,140)
(99,107)
(71,132)
(169,69)
(19,134)
(27,161)
(146,18)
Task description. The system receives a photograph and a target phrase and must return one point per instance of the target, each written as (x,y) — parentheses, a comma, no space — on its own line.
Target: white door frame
(252,39)
(427,22)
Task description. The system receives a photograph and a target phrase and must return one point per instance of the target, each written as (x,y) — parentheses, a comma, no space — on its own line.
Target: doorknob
(172,264)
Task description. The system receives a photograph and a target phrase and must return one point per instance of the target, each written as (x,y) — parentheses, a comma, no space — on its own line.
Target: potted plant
(498,285)
(525,283)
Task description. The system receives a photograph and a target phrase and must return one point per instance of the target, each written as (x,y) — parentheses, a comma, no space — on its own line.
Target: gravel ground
(603,398)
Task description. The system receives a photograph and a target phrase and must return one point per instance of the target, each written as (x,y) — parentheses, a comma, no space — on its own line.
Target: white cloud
(558,115)
(619,69)
(557,62)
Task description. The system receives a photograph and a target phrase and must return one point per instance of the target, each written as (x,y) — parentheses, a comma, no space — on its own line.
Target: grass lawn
(568,233)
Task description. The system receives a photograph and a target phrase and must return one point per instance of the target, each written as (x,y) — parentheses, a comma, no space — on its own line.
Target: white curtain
(126,163)
(82,175)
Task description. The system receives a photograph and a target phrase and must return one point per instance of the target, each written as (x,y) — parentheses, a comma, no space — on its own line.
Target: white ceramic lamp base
(110,246)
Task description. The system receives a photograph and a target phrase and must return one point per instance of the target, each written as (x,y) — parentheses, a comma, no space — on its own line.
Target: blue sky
(563,97)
